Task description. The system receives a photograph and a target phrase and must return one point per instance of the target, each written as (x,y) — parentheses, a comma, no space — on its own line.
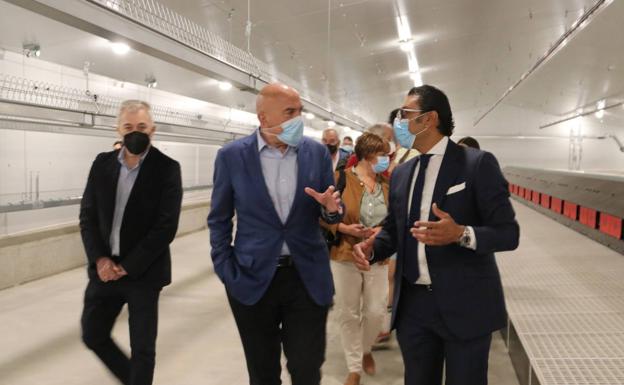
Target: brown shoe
(368,363)
(353,379)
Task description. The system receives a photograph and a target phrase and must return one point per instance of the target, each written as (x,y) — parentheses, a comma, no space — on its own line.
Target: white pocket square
(456,188)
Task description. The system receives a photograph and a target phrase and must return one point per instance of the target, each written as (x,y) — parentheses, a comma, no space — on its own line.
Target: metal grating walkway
(565,299)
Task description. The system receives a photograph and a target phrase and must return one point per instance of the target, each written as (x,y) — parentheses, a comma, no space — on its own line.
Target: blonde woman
(361,297)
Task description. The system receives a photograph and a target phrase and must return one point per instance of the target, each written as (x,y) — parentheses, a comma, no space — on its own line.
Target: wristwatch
(465,239)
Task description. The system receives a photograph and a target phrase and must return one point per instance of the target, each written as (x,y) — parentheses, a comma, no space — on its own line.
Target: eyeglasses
(403,112)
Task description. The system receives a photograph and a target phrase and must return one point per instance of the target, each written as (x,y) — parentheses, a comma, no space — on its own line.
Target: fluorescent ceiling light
(225,86)
(403,27)
(112,5)
(331,123)
(412,62)
(417,78)
(600,106)
(405,45)
(120,48)
(309,115)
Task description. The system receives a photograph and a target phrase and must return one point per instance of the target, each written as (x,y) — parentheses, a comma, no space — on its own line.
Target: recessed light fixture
(331,124)
(31,49)
(151,82)
(120,48)
(309,115)
(225,86)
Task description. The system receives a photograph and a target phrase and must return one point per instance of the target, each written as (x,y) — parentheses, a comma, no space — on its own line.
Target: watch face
(465,239)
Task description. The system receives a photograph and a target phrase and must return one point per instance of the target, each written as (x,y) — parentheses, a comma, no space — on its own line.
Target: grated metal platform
(565,299)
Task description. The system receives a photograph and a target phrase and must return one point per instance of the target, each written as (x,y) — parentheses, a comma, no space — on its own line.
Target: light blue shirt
(127,177)
(280,176)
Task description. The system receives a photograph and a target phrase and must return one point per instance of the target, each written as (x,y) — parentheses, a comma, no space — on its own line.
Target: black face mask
(136,142)
(332,148)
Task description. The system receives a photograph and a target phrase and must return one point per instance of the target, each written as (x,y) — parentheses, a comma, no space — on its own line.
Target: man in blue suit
(277,273)
(449,212)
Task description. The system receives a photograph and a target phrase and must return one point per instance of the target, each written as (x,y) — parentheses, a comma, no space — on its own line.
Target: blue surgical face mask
(292,131)
(402,133)
(383,162)
(348,148)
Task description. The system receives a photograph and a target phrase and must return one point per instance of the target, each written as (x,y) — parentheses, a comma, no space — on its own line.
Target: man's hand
(362,253)
(440,233)
(355,230)
(330,199)
(106,269)
(121,272)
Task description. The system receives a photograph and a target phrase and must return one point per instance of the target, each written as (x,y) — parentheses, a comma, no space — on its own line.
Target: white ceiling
(473,50)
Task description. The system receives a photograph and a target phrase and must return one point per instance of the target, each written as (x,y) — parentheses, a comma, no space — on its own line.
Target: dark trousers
(285,315)
(102,305)
(426,343)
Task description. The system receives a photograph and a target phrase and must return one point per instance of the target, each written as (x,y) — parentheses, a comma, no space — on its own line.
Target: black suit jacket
(466,283)
(150,219)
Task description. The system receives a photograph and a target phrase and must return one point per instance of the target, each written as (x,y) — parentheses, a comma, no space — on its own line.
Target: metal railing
(160,18)
(48,199)
(39,93)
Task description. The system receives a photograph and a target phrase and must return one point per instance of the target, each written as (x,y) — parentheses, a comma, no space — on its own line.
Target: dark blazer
(248,266)
(466,283)
(150,219)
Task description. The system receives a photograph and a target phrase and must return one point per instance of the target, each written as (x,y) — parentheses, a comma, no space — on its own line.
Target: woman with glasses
(361,296)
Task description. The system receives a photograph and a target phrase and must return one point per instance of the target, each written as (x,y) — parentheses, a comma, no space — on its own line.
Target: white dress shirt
(431,176)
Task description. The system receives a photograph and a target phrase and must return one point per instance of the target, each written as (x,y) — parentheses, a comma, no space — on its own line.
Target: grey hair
(378,129)
(133,105)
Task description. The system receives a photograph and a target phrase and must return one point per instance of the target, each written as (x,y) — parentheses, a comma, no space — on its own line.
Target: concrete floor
(198,342)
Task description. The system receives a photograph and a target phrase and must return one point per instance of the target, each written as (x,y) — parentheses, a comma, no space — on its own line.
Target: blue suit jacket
(248,266)
(466,283)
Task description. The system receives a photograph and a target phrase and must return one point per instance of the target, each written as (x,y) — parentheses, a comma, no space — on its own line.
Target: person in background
(117,145)
(449,213)
(386,132)
(128,217)
(347,144)
(469,141)
(276,273)
(361,295)
(331,139)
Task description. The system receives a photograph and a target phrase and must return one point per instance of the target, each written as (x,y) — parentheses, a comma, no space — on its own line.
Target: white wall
(545,153)
(62,162)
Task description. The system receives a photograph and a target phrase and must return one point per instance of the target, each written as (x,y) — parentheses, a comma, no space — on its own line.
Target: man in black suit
(449,212)
(128,217)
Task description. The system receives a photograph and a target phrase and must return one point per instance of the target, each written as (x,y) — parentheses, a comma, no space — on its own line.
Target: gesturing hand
(440,233)
(362,253)
(356,230)
(330,199)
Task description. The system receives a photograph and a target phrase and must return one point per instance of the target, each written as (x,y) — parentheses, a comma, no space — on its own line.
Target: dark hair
(392,116)
(432,99)
(469,141)
(369,144)
(347,137)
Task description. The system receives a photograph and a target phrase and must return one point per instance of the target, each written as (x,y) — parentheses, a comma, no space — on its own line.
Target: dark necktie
(410,256)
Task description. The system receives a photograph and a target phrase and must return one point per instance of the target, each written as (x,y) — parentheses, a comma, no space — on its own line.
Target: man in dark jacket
(128,217)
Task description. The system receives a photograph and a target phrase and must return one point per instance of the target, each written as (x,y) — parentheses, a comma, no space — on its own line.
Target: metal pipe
(564,39)
(581,115)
